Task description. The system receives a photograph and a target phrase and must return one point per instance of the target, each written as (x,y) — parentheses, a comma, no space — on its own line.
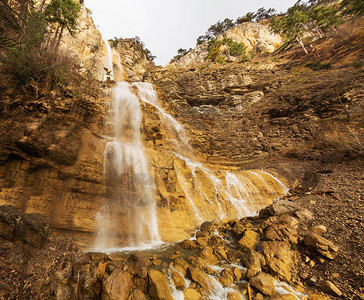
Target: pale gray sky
(167,25)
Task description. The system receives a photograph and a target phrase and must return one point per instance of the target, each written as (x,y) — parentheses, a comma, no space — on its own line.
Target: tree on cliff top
(63,13)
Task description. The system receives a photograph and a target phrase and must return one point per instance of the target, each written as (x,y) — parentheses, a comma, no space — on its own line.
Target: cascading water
(129,214)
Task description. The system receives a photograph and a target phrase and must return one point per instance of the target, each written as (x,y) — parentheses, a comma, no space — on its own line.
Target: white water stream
(128,217)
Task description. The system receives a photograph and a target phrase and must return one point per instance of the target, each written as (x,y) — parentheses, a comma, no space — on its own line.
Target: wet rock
(207,226)
(201,278)
(158,286)
(278,257)
(201,234)
(258,296)
(249,240)
(238,230)
(252,261)
(178,281)
(321,245)
(283,297)
(192,294)
(188,244)
(117,286)
(233,296)
(264,283)
(331,289)
(202,241)
(226,277)
(180,265)
(138,264)
(237,274)
(117,256)
(11,221)
(207,254)
(137,295)
(97,255)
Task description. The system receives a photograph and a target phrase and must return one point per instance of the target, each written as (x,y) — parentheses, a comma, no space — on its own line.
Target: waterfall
(128,216)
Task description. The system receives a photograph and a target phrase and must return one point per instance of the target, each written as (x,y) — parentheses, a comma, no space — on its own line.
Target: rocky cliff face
(255,36)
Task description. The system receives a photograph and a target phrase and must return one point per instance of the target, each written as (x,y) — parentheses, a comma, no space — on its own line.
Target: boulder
(178,280)
(264,283)
(11,221)
(207,226)
(331,289)
(234,296)
(278,256)
(249,240)
(192,294)
(304,214)
(158,286)
(117,286)
(207,254)
(319,229)
(188,244)
(35,229)
(226,277)
(137,295)
(138,263)
(279,208)
(252,261)
(201,278)
(321,245)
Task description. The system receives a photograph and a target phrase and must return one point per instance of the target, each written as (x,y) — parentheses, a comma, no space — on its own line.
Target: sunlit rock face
(254,36)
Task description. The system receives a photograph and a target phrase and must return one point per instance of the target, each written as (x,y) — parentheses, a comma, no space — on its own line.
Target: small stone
(304,214)
(319,229)
(233,296)
(258,296)
(312,263)
(157,262)
(331,289)
(321,245)
(335,275)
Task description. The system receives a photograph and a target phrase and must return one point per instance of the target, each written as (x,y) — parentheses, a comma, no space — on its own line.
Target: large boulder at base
(264,283)
(321,245)
(158,286)
(11,221)
(117,286)
(278,256)
(35,229)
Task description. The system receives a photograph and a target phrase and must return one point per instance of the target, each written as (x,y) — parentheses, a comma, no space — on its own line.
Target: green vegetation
(312,20)
(115,42)
(230,48)
(28,53)
(215,30)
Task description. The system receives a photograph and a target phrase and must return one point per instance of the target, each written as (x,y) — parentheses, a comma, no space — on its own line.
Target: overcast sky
(167,25)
